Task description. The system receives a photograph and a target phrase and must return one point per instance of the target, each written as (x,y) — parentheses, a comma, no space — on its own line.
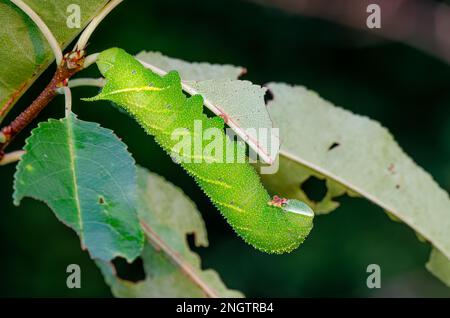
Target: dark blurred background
(402,87)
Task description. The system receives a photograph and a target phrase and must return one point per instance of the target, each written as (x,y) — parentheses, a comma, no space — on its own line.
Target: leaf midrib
(73,169)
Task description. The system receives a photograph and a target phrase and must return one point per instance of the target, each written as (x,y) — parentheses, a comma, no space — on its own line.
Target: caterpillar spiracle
(158,104)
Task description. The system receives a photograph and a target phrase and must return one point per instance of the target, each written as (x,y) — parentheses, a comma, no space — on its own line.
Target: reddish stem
(71,64)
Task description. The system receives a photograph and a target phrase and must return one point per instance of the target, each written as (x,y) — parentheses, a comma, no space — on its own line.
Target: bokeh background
(405,89)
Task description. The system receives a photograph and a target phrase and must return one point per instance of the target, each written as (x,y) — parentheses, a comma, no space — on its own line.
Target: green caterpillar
(161,108)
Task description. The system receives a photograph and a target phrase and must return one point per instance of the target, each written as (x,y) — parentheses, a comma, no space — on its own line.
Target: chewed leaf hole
(133,272)
(314,188)
(190,237)
(101,200)
(333,145)
(268,96)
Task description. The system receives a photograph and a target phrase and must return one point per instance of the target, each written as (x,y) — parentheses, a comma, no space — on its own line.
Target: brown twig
(72,63)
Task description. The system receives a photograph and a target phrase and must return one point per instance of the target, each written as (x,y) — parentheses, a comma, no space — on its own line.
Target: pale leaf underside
(355,155)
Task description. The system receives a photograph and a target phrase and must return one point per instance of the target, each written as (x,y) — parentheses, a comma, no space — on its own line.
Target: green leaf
(240,103)
(87,177)
(439,266)
(172,269)
(355,155)
(25,54)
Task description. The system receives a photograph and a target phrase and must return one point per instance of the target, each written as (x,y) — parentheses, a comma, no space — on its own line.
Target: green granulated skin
(160,107)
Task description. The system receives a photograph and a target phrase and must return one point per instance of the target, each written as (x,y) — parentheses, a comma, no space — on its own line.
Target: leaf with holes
(172,269)
(355,155)
(25,53)
(87,177)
